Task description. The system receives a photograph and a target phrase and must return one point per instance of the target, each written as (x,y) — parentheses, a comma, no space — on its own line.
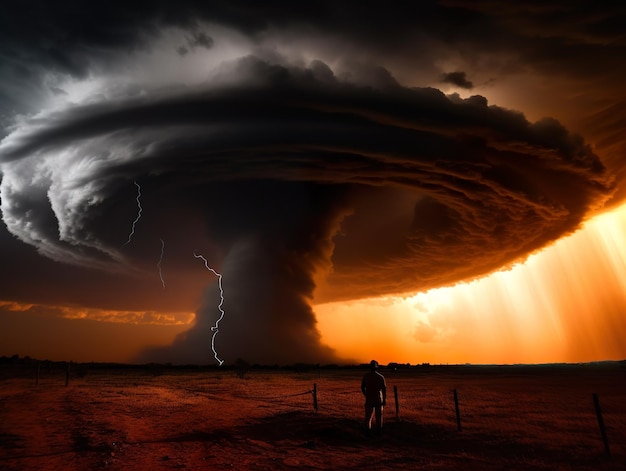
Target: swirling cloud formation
(296,173)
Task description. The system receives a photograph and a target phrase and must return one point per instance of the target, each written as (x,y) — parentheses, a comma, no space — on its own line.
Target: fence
(535,411)
(518,405)
(532,411)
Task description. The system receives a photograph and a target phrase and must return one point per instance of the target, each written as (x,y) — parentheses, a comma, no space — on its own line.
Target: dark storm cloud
(69,37)
(39,40)
(457,78)
(497,183)
(198,39)
(287,175)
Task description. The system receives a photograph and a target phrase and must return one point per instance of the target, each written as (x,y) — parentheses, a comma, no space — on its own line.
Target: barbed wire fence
(523,415)
(453,404)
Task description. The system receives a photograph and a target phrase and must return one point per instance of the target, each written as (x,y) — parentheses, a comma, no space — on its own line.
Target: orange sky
(564,304)
(45,335)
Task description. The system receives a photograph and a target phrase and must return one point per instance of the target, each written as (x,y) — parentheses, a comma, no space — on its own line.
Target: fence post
(395,395)
(67,375)
(596,402)
(315,396)
(456,408)
(37,373)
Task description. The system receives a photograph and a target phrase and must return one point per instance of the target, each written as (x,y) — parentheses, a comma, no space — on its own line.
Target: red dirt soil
(146,419)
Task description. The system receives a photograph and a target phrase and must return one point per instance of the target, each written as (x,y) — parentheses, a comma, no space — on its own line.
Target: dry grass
(512,418)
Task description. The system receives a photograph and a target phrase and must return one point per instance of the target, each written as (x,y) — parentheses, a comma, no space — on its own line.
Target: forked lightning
(132,232)
(161,261)
(215,328)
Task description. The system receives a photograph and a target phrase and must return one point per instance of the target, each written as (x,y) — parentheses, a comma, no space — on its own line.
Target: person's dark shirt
(374,387)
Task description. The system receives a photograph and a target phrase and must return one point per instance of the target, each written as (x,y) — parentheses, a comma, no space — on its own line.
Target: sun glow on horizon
(63,333)
(563,304)
(145,317)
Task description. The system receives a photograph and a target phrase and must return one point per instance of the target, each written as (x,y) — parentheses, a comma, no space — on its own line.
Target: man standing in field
(375,391)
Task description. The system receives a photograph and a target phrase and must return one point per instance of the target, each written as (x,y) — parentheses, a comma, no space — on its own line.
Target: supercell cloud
(299,179)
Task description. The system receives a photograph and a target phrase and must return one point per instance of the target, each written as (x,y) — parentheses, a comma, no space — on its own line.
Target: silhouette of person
(374,389)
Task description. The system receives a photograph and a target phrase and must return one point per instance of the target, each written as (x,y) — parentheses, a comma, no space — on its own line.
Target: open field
(140,418)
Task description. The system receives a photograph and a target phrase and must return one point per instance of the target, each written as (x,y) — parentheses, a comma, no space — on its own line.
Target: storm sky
(317,153)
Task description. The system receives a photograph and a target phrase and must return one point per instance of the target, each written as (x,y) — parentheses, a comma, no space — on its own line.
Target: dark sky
(316,152)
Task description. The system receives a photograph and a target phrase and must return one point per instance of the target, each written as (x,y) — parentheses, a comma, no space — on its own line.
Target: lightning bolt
(132,232)
(215,328)
(161,261)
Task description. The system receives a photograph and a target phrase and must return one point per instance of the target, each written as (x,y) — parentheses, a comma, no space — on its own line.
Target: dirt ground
(147,419)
